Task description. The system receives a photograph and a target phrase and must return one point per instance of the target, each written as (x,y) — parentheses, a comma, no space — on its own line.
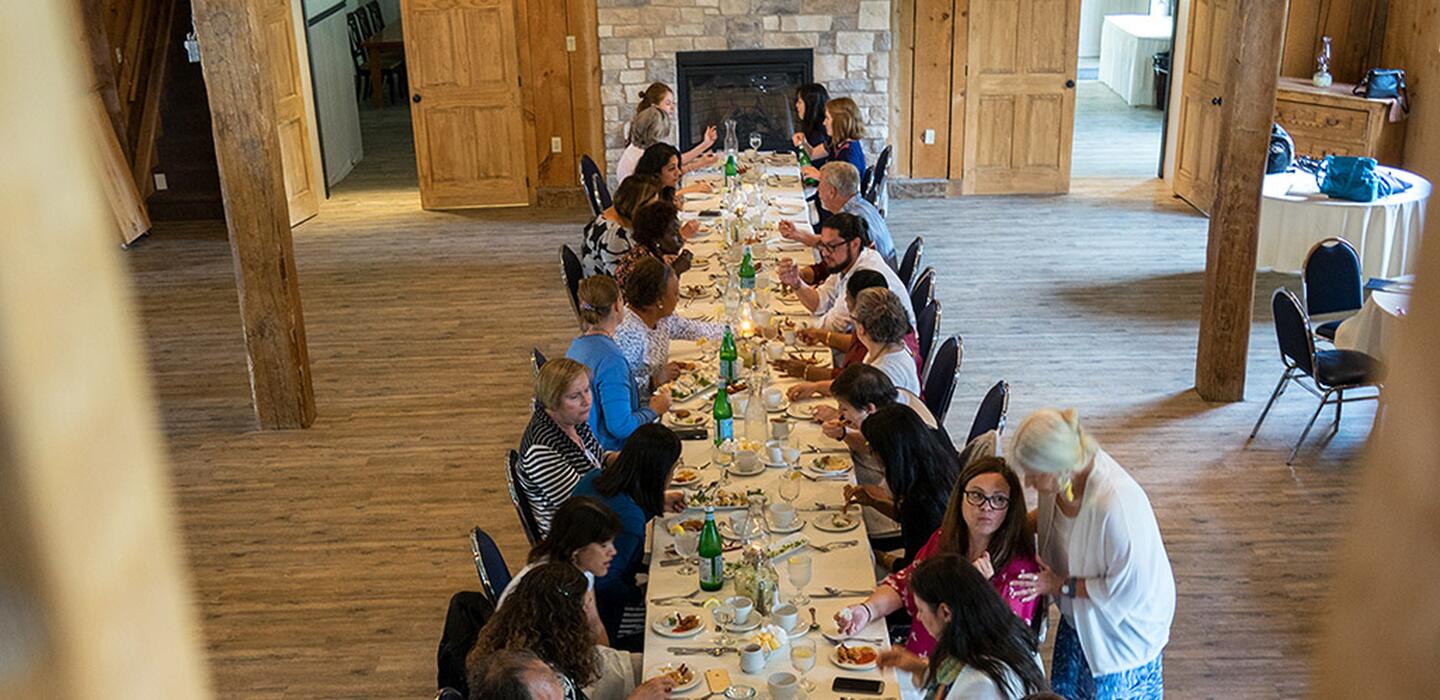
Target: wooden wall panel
(902,66)
(930,103)
(548,81)
(959,85)
(587,116)
(1348,23)
(1412,42)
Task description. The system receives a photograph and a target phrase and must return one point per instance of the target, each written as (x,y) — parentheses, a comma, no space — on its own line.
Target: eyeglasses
(997,502)
(832,247)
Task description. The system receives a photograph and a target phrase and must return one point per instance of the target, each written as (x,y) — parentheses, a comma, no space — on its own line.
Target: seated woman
(545,614)
(881,325)
(852,350)
(660,95)
(920,471)
(634,487)
(985,523)
(844,127)
(558,447)
(616,411)
(583,534)
(810,100)
(652,291)
(657,235)
(663,161)
(649,127)
(608,236)
(984,652)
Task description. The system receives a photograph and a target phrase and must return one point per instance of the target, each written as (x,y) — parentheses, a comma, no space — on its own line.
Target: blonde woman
(1101,558)
(617,410)
(558,446)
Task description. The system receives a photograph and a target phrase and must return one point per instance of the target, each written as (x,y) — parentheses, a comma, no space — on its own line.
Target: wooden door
(465,84)
(1020,106)
(294,113)
(1197,162)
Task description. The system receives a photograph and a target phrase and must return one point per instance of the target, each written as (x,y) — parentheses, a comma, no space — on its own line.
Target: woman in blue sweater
(617,411)
(634,487)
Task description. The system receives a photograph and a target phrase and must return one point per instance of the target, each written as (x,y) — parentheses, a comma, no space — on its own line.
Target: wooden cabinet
(1332,121)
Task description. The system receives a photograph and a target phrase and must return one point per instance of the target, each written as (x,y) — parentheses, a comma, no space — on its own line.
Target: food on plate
(686,475)
(682,675)
(736,387)
(831,463)
(857,655)
(789,324)
(682,413)
(681,622)
(767,640)
(689,384)
(810,358)
(685,366)
(694,291)
(841,521)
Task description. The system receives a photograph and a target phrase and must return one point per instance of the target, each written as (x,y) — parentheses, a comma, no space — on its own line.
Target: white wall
(336,105)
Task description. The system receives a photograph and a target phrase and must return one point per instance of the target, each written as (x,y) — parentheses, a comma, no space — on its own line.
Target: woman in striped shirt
(558,447)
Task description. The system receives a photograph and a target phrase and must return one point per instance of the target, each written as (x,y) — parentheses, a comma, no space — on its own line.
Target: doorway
(1122,87)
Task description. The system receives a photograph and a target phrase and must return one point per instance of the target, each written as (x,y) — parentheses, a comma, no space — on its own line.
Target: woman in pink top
(986,524)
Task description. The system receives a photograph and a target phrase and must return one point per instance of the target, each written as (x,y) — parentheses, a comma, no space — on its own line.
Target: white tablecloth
(1372,329)
(1092,19)
(1386,233)
(1128,43)
(849,568)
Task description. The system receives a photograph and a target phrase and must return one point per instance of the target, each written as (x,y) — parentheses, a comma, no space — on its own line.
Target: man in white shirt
(845,248)
(839,191)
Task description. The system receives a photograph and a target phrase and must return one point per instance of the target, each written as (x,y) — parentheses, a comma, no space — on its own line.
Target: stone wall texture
(851,39)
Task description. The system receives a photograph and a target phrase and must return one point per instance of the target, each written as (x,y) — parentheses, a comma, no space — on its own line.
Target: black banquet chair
(1332,372)
(991,414)
(571,273)
(927,323)
(537,360)
(489,564)
(1332,282)
(595,188)
(910,261)
(874,186)
(528,525)
(939,385)
(923,292)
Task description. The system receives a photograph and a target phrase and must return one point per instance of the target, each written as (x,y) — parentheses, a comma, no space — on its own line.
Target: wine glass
(687,545)
(802,658)
(755,141)
(724,616)
(790,486)
(799,571)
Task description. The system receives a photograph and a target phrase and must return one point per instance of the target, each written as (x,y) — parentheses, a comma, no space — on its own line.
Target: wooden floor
(323,558)
(1113,139)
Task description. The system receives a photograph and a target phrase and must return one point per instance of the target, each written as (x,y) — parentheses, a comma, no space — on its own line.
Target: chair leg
(1308,426)
(1339,401)
(1273,395)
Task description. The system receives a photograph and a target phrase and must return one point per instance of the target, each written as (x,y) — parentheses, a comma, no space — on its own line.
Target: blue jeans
(1070,673)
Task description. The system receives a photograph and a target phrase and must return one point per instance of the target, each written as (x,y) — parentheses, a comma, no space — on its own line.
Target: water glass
(687,545)
(789,487)
(799,570)
(802,658)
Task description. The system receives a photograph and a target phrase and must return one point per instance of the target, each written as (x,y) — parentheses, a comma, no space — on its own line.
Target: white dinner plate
(695,419)
(665,630)
(796,526)
(667,668)
(826,522)
(677,481)
(802,411)
(835,659)
(760,469)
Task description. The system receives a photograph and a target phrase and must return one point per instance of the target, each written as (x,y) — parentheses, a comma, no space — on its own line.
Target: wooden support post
(1257,29)
(236,65)
(94,601)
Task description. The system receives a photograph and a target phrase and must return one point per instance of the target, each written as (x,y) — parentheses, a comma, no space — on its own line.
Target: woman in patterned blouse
(558,447)
(607,238)
(656,234)
(652,291)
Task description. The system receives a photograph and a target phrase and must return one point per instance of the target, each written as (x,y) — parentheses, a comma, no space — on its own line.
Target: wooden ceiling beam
(1256,37)
(237,73)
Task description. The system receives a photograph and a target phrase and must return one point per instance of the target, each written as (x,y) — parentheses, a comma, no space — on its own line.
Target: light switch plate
(570,43)
(555,144)
(929,137)
(160,182)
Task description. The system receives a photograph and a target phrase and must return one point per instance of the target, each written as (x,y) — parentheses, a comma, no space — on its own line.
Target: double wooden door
(281,21)
(1020,101)
(1197,158)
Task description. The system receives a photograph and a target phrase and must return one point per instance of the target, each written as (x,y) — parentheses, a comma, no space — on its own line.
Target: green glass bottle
(732,172)
(722,413)
(747,271)
(712,554)
(729,356)
(805,163)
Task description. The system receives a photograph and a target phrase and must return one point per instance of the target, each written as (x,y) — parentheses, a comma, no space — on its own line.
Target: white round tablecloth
(1128,43)
(1372,329)
(1294,216)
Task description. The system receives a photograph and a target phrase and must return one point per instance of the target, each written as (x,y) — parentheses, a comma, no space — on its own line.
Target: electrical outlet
(570,43)
(556,145)
(160,183)
(929,137)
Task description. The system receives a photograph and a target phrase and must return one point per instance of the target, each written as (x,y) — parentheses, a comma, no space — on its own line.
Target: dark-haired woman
(607,238)
(545,614)
(982,652)
(810,100)
(652,291)
(583,533)
(634,488)
(663,161)
(920,472)
(657,234)
(984,522)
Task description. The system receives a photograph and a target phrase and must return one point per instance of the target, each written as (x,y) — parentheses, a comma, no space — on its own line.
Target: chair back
(991,414)
(367,27)
(357,38)
(468,612)
(927,322)
(1332,279)
(537,360)
(939,387)
(923,291)
(595,188)
(875,183)
(1292,330)
(520,500)
(910,262)
(489,564)
(377,18)
(571,273)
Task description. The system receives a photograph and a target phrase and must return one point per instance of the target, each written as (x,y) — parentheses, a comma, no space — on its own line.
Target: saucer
(796,526)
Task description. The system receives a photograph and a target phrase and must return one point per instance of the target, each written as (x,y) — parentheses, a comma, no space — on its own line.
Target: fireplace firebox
(756,88)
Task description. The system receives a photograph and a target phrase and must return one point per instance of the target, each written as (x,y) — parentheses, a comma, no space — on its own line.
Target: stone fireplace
(753,87)
(850,41)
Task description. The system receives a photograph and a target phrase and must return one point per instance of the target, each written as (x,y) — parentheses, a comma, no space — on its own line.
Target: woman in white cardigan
(1102,560)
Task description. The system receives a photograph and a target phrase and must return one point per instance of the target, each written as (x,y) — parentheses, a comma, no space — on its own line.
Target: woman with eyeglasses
(985,523)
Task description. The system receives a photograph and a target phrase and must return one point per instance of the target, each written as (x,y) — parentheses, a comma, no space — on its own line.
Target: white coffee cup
(753,658)
(786,616)
(775,450)
(743,607)
(783,516)
(776,350)
(790,337)
(773,397)
(747,461)
(784,686)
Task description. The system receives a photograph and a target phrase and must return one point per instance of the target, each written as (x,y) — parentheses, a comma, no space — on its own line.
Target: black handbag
(1384,84)
(1282,151)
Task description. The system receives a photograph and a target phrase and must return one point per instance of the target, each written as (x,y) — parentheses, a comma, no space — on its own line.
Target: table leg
(377,83)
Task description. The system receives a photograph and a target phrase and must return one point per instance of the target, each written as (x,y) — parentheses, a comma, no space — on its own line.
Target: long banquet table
(845,568)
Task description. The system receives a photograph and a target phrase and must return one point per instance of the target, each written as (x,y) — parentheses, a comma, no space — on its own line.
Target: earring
(1069,490)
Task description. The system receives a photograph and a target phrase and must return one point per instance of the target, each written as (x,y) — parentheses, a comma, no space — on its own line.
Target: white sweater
(1114,545)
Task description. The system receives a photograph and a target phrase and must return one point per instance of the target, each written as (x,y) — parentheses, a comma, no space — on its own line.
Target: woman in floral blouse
(652,291)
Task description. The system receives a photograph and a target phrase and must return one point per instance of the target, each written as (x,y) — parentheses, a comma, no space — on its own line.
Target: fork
(663,600)
(693,651)
(823,548)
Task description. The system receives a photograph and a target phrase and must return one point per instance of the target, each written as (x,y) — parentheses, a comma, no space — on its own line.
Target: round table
(1294,216)
(1373,328)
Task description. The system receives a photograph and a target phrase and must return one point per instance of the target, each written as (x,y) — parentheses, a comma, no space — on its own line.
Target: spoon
(814,625)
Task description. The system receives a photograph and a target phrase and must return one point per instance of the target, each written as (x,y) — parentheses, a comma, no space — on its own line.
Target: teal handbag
(1348,177)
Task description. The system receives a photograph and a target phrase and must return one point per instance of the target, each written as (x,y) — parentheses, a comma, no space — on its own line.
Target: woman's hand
(803,390)
(854,622)
(810,172)
(865,494)
(813,336)
(825,414)
(903,659)
(1043,582)
(670,372)
(653,689)
(660,402)
(791,368)
(710,135)
(985,566)
(797,138)
(833,429)
(689,229)
(674,501)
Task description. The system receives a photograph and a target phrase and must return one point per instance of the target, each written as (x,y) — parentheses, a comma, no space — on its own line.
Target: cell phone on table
(863,686)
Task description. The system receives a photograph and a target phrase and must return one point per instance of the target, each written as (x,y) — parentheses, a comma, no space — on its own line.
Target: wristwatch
(1067,589)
